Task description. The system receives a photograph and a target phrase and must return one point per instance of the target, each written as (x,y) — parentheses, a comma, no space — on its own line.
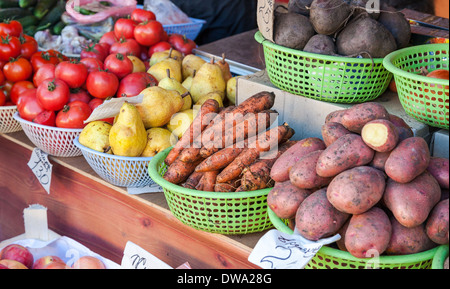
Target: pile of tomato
(51,89)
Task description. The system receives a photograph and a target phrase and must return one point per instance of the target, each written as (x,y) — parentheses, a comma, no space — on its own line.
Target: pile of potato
(368,179)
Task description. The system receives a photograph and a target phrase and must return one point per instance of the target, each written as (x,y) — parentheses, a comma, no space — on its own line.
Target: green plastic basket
(440,257)
(331,258)
(424,98)
(223,213)
(323,77)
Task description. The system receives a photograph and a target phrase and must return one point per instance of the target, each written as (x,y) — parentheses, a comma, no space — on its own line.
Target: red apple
(12,264)
(44,261)
(3,266)
(18,253)
(56,265)
(88,262)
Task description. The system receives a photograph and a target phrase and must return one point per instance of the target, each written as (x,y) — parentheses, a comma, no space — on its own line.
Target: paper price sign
(134,257)
(41,168)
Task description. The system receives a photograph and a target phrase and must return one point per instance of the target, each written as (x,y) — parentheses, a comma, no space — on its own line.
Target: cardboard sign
(41,168)
(134,257)
(265,18)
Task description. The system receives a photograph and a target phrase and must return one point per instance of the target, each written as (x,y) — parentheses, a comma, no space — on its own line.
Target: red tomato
(19,88)
(44,72)
(119,64)
(148,33)
(7,86)
(97,51)
(29,46)
(79,94)
(2,63)
(28,105)
(134,83)
(92,64)
(94,103)
(182,44)
(53,94)
(18,69)
(73,115)
(2,98)
(43,57)
(102,84)
(46,117)
(124,28)
(2,78)
(141,15)
(109,38)
(73,73)
(160,46)
(126,47)
(9,47)
(11,27)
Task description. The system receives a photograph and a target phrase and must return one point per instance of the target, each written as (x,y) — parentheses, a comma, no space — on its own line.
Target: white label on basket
(152,188)
(41,168)
(111,108)
(277,250)
(134,257)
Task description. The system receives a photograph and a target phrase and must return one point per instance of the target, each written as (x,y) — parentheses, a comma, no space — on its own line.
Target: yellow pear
(170,83)
(208,79)
(187,83)
(225,67)
(191,63)
(158,139)
(231,89)
(138,64)
(159,70)
(158,106)
(128,136)
(95,135)
(181,121)
(212,95)
(161,55)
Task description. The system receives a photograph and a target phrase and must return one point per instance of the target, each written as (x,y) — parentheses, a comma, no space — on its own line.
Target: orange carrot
(227,187)
(193,180)
(207,182)
(178,171)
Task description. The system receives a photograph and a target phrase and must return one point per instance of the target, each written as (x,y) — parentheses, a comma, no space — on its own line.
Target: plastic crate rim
(388,64)
(194,21)
(77,143)
(23,121)
(153,170)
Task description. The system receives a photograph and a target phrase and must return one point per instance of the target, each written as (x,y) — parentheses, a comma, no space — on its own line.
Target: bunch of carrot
(229,149)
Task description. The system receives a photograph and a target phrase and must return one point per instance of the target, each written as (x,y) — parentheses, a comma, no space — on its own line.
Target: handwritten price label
(41,168)
(265,18)
(134,257)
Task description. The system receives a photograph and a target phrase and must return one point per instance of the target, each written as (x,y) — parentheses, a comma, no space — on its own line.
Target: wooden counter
(104,217)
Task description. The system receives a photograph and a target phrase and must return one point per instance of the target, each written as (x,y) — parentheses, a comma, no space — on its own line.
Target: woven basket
(424,98)
(7,122)
(223,213)
(323,77)
(330,258)
(117,170)
(55,141)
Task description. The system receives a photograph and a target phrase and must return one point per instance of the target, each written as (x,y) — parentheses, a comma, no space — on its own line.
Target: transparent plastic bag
(118,8)
(166,12)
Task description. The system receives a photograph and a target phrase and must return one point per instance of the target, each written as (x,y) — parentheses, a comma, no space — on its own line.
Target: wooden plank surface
(104,217)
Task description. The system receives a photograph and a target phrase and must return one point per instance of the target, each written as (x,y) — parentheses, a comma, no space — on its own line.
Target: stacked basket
(7,122)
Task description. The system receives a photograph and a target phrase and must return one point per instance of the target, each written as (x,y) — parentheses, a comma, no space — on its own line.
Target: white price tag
(41,168)
(134,257)
(277,250)
(152,188)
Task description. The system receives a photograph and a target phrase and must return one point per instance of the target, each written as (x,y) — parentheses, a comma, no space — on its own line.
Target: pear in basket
(95,136)
(128,136)
(158,139)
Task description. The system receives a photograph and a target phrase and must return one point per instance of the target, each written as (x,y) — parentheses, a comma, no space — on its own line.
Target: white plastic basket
(130,172)
(7,123)
(55,141)
(191,30)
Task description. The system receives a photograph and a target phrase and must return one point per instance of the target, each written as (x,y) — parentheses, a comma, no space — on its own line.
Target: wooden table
(104,217)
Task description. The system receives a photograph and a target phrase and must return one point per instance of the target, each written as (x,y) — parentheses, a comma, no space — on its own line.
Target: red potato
(356,190)
(404,131)
(437,223)
(379,160)
(439,169)
(281,168)
(381,135)
(409,159)
(347,152)
(285,198)
(342,231)
(316,217)
(331,131)
(368,234)
(303,174)
(335,116)
(412,202)
(405,241)
(358,115)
